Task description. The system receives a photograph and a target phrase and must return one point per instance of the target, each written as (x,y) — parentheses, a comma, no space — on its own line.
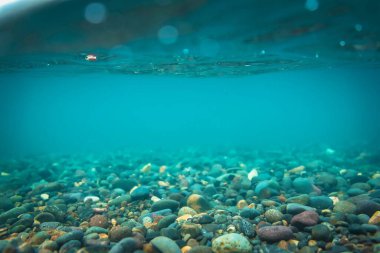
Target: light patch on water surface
(311,5)
(168,34)
(95,13)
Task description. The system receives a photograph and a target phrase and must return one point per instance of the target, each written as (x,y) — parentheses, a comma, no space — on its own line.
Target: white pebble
(93,198)
(45,196)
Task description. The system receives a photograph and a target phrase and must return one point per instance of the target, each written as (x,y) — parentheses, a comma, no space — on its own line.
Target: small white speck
(262,51)
(317,55)
(186,51)
(342,43)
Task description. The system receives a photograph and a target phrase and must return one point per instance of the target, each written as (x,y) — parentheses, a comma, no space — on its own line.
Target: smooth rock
(304,219)
(275,233)
(140,193)
(231,243)
(321,233)
(198,203)
(117,233)
(303,185)
(74,235)
(165,244)
(165,204)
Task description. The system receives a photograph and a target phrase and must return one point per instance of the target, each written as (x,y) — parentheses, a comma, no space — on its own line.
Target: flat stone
(275,233)
(165,244)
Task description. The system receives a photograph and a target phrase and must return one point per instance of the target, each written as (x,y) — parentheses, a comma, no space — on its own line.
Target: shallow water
(250,105)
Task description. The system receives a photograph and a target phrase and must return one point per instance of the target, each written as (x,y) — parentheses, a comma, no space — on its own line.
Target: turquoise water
(45,112)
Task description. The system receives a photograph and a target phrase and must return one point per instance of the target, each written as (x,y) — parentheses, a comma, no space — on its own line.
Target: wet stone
(368,207)
(74,235)
(198,203)
(39,238)
(294,208)
(166,221)
(165,204)
(45,217)
(59,214)
(95,229)
(140,193)
(70,247)
(165,244)
(321,202)
(303,185)
(99,221)
(302,199)
(231,243)
(275,233)
(249,213)
(49,245)
(205,219)
(306,218)
(12,213)
(344,207)
(171,233)
(126,245)
(194,230)
(273,215)
(321,233)
(49,225)
(117,233)
(200,249)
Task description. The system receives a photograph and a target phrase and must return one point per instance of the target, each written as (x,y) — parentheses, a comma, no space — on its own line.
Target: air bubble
(311,5)
(95,13)
(342,43)
(168,34)
(358,27)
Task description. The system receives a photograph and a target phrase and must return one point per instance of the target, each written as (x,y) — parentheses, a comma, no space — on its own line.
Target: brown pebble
(99,221)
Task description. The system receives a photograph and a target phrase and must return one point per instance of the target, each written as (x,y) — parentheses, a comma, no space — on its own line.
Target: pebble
(12,213)
(249,213)
(368,207)
(70,246)
(321,233)
(99,221)
(74,235)
(275,233)
(303,185)
(306,218)
(231,243)
(194,230)
(166,221)
(96,229)
(140,193)
(126,245)
(117,233)
(39,238)
(344,207)
(321,202)
(165,204)
(273,215)
(91,198)
(200,249)
(294,208)
(165,245)
(198,203)
(45,217)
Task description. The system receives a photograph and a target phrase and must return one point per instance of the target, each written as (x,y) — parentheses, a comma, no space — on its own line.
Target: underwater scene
(189,126)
